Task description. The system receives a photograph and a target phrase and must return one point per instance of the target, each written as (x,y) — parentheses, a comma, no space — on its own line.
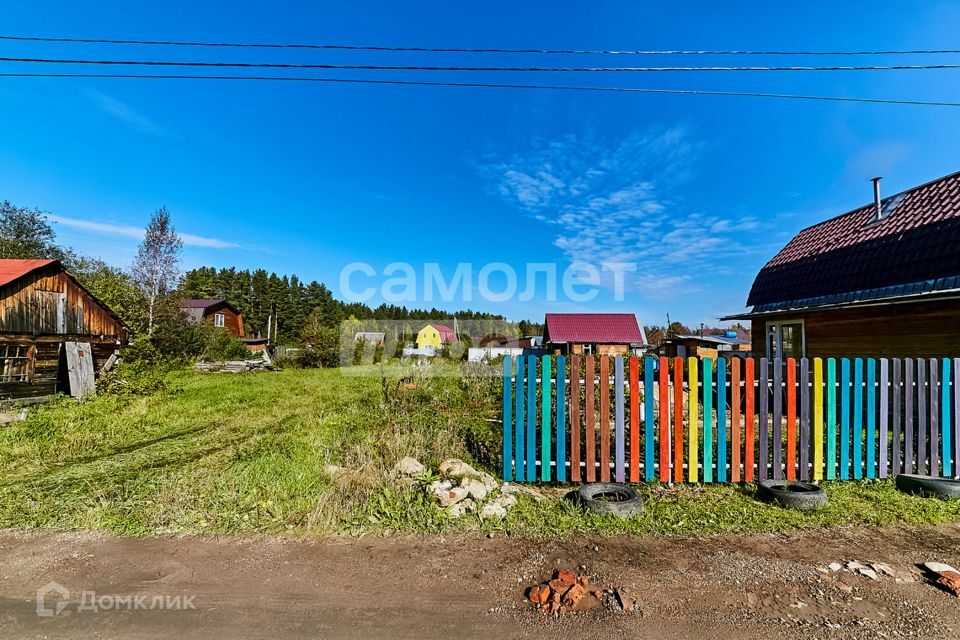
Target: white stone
(883,568)
(488,481)
(505,500)
(475,488)
(938,567)
(456,468)
(409,467)
(835,566)
(462,508)
(870,573)
(508,488)
(493,510)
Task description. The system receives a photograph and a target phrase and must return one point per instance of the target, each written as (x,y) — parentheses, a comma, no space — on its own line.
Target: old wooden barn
(53,333)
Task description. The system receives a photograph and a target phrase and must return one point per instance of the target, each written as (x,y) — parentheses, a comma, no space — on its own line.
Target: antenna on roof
(878,214)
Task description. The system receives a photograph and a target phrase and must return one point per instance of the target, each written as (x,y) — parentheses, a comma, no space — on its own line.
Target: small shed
(54,334)
(593,333)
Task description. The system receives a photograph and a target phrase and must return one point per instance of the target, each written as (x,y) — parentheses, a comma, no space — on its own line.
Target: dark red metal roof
(593,328)
(918,240)
(11,269)
(446,332)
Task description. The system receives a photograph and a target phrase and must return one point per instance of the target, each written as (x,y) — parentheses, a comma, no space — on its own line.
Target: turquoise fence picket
(857,439)
(707,420)
(507,420)
(518,451)
(945,427)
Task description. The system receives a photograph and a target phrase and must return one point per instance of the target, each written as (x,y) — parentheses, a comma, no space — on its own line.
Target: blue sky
(698,191)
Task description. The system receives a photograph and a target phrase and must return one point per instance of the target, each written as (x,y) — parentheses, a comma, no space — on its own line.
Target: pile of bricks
(562,593)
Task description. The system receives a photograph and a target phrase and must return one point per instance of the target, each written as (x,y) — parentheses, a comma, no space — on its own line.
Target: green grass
(252,453)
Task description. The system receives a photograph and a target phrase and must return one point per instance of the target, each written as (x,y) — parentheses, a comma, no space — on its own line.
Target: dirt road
(402,587)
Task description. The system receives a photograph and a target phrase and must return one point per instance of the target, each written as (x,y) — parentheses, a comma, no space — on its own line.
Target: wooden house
(221,313)
(727,344)
(54,334)
(435,336)
(881,280)
(593,333)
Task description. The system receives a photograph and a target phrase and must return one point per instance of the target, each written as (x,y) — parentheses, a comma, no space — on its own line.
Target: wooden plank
(946,454)
(507,419)
(777,442)
(649,364)
(909,393)
(934,442)
(735,420)
(80,368)
(708,419)
(870,443)
(804,419)
(763,449)
(895,412)
(749,440)
(575,374)
(545,421)
(590,415)
(619,451)
(721,419)
(519,450)
(922,422)
(634,419)
(678,419)
(856,435)
(664,415)
(845,418)
(604,419)
(693,404)
(884,441)
(817,419)
(561,419)
(791,379)
(531,418)
(831,393)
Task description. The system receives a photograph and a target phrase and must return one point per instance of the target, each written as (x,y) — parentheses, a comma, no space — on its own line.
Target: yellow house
(435,335)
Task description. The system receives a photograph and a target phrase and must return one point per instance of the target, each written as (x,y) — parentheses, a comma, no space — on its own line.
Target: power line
(378,67)
(351,47)
(485,85)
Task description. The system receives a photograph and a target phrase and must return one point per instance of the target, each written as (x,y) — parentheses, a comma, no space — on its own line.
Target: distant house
(497,346)
(221,313)
(370,337)
(435,335)
(593,333)
(881,280)
(728,344)
(47,322)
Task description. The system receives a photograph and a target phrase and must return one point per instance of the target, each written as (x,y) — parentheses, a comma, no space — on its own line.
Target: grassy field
(306,451)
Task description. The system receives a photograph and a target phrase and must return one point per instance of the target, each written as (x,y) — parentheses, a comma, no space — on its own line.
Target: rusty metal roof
(11,269)
(593,328)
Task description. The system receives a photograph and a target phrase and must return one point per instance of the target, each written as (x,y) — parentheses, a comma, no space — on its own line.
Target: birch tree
(156,268)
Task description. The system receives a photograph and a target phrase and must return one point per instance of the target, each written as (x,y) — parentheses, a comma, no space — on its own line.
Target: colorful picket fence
(729,420)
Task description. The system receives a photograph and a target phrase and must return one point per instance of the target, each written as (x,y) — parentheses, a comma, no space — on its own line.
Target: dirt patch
(465,587)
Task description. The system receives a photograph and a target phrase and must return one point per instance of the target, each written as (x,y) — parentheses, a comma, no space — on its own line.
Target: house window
(15,363)
(786,339)
(219,319)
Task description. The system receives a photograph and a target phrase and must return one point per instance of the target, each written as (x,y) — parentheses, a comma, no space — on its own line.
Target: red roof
(11,270)
(917,240)
(446,333)
(593,328)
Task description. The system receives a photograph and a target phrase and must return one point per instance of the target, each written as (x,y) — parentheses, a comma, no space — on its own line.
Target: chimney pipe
(876,198)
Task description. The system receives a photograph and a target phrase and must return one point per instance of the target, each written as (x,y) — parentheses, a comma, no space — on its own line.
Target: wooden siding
(48,366)
(32,306)
(232,321)
(923,330)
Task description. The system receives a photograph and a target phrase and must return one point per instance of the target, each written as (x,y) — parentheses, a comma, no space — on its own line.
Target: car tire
(928,486)
(609,499)
(792,494)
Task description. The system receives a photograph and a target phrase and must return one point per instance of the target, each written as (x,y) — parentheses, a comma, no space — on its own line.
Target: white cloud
(624,201)
(136,233)
(123,112)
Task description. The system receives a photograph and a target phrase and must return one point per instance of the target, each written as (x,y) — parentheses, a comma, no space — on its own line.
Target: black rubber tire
(609,499)
(792,494)
(928,487)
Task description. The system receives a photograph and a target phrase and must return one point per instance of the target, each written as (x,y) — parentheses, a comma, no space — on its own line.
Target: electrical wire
(425,83)
(350,47)
(377,67)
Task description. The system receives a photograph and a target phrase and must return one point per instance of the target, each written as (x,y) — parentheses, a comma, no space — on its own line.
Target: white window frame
(219,319)
(779,323)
